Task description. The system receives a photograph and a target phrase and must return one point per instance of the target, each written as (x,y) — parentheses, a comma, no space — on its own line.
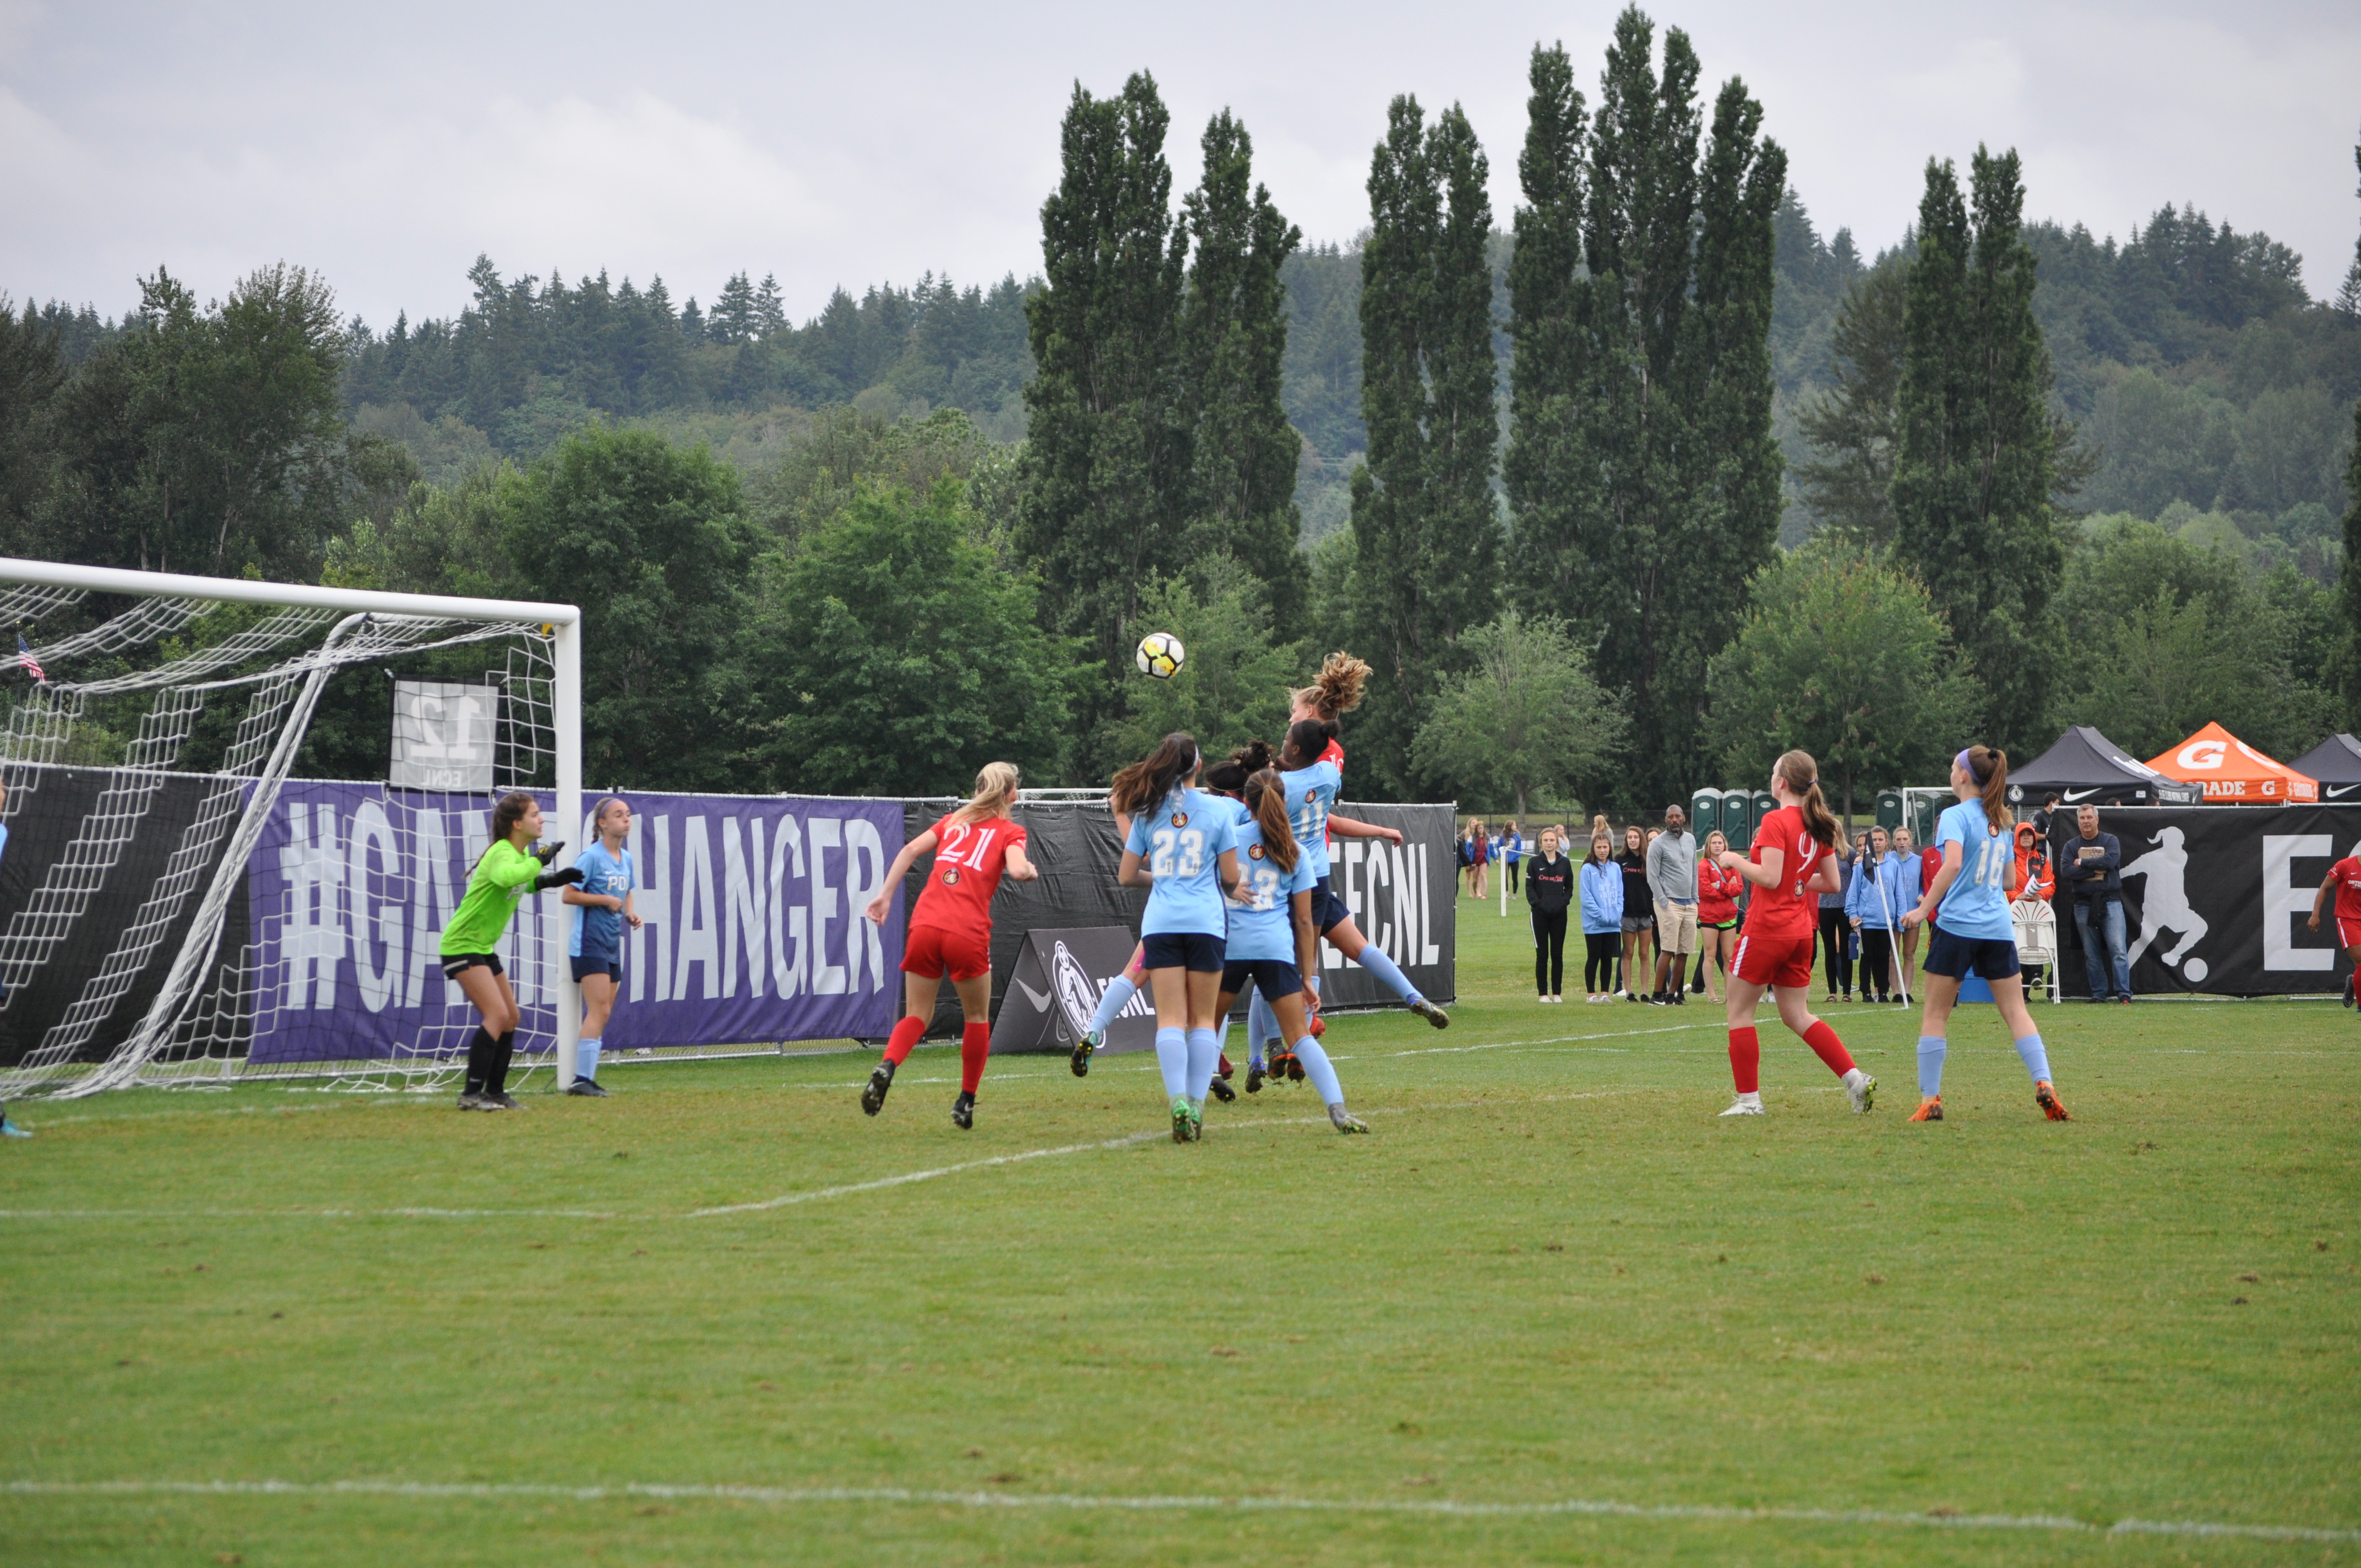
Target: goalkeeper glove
(548,852)
(567,878)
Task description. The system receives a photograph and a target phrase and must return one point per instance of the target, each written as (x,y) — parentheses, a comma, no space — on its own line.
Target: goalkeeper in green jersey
(504,874)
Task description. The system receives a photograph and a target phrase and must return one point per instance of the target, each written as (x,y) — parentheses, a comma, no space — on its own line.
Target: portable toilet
(1766,802)
(1705,812)
(1889,809)
(1738,818)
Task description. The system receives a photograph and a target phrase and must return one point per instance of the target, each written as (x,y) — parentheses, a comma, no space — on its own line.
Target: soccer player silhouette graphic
(2164,904)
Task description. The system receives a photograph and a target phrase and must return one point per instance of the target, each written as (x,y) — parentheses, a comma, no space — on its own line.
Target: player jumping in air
(504,874)
(1970,929)
(1793,860)
(950,930)
(1182,848)
(2344,878)
(602,907)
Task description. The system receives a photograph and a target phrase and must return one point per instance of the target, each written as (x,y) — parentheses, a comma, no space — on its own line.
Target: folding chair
(2037,939)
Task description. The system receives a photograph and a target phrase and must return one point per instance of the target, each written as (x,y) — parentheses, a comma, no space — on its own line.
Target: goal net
(222,795)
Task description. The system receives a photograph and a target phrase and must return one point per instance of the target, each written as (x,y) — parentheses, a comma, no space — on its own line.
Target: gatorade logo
(2204,754)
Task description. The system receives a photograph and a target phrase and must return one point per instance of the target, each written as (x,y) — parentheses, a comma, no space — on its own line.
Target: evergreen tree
(1849,479)
(1107,456)
(2349,579)
(736,317)
(1641,471)
(1425,536)
(1233,347)
(1973,476)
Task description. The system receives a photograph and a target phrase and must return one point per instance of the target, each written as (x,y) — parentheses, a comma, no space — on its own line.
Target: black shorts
(1328,911)
(1274,978)
(1192,950)
(1954,957)
(585,968)
(454,963)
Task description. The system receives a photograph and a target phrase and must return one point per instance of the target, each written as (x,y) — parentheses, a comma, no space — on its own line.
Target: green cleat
(1183,1122)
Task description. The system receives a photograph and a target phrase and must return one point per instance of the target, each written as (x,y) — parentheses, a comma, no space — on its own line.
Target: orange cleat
(1929,1109)
(2045,1095)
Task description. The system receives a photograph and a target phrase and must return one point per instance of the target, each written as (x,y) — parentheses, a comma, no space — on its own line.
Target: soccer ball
(1160,653)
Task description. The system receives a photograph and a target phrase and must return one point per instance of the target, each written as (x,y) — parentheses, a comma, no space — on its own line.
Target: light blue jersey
(1310,795)
(1182,840)
(599,933)
(1266,930)
(1976,904)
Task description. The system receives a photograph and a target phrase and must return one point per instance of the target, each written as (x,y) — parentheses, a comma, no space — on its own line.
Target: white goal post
(36,586)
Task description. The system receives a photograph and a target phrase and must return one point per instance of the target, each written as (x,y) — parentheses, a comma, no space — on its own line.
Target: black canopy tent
(2335,762)
(2087,768)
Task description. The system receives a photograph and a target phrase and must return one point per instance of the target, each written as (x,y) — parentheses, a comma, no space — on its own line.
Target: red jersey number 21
(973,857)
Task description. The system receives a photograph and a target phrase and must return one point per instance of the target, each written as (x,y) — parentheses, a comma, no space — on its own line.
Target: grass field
(1553,1311)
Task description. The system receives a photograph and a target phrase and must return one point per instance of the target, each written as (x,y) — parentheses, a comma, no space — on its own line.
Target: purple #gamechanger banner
(750,908)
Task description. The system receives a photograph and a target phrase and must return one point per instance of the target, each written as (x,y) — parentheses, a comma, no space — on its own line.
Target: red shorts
(930,952)
(2348,932)
(1775,962)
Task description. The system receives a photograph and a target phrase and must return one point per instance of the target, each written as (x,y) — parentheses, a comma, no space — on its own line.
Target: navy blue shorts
(1328,911)
(1191,950)
(1274,978)
(585,968)
(1954,957)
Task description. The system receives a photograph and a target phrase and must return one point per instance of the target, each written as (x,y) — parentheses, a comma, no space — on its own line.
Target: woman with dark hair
(1183,849)
(1792,862)
(1479,854)
(1871,910)
(1965,909)
(507,871)
(1638,915)
(1601,881)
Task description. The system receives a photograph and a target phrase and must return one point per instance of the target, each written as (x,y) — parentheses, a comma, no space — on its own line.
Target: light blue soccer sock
(1931,1050)
(1261,1027)
(1204,1053)
(1173,1060)
(1320,1070)
(586,1061)
(1118,995)
(2030,1052)
(1373,958)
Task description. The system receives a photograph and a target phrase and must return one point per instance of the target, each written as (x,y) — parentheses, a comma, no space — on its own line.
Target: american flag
(25,659)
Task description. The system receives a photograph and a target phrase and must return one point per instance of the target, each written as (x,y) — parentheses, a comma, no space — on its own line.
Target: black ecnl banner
(2215,898)
(1400,896)
(1055,986)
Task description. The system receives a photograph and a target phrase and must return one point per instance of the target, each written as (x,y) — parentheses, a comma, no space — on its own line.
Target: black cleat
(872,1098)
(1255,1076)
(1436,1015)
(1220,1089)
(963,1111)
(587,1088)
(1083,1049)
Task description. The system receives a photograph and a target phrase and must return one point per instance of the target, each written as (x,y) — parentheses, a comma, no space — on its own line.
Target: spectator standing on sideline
(2092,866)
(1870,909)
(1512,850)
(1836,935)
(1904,849)
(1672,882)
(1602,919)
(2040,820)
(1468,855)
(1639,912)
(1479,855)
(1718,891)
(1549,890)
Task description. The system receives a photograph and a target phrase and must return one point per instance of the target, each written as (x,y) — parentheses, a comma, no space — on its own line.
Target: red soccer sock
(1222,1068)
(905,1039)
(1823,1039)
(1745,1059)
(975,1045)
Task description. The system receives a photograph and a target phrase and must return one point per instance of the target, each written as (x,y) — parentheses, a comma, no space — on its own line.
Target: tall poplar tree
(1426,541)
(1233,345)
(1107,451)
(1976,464)
(1642,474)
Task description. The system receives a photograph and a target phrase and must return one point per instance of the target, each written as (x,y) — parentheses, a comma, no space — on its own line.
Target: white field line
(816,1194)
(1432,1506)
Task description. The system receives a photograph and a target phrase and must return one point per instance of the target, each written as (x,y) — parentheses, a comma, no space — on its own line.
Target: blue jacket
(1602,897)
(1879,903)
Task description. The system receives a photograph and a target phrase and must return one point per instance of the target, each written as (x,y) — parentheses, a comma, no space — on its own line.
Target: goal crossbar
(561,622)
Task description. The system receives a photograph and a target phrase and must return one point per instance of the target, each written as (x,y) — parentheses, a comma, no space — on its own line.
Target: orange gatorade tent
(2234,773)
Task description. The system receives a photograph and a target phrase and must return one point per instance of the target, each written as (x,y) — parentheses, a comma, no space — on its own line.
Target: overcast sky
(386,145)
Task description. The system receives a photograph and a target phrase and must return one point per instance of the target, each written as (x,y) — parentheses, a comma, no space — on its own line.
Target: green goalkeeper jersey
(498,883)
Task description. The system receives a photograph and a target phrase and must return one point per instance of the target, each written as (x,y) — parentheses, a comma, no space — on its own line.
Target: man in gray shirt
(1672,881)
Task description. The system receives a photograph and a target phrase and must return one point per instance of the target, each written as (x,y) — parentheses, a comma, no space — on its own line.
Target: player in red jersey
(950,930)
(2345,877)
(1792,861)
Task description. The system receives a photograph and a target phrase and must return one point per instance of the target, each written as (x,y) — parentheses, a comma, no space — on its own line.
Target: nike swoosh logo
(2071,795)
(2335,790)
(1039,999)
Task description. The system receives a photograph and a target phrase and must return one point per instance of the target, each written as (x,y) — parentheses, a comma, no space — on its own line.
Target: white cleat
(1862,1089)
(1745,1105)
